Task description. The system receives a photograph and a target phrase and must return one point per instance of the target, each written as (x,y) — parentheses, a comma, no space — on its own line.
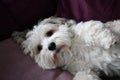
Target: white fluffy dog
(83,49)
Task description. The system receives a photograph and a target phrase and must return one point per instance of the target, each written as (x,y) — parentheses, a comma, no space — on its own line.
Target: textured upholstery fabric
(83,10)
(14,65)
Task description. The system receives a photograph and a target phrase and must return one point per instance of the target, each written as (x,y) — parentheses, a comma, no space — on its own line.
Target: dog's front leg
(83,75)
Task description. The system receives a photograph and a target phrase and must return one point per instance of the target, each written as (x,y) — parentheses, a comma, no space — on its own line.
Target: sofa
(18,15)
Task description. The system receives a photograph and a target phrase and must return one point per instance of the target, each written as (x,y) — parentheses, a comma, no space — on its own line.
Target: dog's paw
(86,76)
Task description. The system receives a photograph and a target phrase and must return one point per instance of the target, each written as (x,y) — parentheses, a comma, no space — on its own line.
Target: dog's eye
(39,48)
(49,33)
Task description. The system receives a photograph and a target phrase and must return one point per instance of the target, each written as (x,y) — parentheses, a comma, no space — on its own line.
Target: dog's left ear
(54,20)
(70,23)
(57,20)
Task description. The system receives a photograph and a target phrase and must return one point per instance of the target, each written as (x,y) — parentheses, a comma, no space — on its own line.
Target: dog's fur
(83,49)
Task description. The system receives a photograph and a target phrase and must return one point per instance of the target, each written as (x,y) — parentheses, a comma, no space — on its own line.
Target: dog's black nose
(52,46)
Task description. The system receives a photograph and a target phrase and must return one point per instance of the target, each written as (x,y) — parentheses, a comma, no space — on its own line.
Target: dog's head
(49,42)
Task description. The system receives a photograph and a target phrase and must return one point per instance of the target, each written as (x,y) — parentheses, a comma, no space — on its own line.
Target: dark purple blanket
(14,65)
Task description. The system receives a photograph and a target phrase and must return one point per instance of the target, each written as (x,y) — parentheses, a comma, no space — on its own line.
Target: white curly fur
(81,48)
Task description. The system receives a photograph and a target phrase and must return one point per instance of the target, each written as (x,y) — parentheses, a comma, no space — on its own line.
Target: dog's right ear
(26,44)
(28,48)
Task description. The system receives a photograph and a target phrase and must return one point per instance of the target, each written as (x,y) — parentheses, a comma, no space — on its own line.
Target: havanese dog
(83,48)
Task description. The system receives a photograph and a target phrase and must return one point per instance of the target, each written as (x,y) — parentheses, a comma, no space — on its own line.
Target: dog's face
(49,43)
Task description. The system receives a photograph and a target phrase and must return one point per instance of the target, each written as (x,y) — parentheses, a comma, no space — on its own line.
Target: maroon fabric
(14,65)
(21,14)
(84,10)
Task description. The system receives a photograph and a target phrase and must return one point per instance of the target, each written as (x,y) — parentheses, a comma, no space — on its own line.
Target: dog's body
(83,48)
